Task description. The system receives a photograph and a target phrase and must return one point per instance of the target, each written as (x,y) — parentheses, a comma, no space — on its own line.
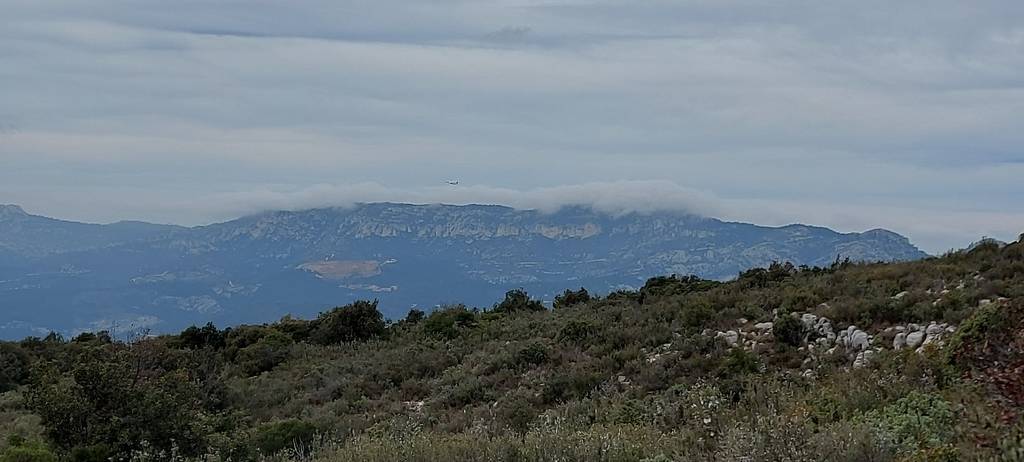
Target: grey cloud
(868,106)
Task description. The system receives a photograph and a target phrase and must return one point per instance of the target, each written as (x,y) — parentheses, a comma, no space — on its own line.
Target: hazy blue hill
(66,276)
(34,236)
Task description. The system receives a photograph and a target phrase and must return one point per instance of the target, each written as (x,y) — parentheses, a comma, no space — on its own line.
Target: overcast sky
(907,115)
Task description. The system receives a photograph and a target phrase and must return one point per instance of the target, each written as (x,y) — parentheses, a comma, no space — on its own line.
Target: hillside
(129,277)
(852,362)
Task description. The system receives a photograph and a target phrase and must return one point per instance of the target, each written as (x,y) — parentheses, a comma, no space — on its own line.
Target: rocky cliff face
(260,267)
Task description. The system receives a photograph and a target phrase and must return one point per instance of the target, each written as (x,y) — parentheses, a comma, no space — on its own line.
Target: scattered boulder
(900,341)
(863,359)
(808,319)
(763,326)
(859,340)
(915,339)
(731,337)
(854,339)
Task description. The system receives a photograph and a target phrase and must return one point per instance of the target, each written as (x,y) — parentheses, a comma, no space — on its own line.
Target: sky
(849,114)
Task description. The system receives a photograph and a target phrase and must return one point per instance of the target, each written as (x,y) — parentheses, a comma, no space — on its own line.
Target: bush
(202,337)
(788,330)
(355,322)
(414,316)
(109,401)
(576,331)
(276,437)
(20,451)
(982,323)
(917,421)
(696,314)
(446,323)
(518,300)
(572,298)
(264,355)
(14,367)
(668,286)
(533,354)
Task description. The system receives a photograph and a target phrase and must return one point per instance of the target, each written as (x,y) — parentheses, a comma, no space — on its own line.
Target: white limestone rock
(915,339)
(900,341)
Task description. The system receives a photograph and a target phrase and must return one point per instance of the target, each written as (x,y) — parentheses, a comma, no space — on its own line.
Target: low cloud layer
(851,114)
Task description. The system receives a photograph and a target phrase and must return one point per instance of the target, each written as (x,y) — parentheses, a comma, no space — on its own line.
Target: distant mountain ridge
(70,276)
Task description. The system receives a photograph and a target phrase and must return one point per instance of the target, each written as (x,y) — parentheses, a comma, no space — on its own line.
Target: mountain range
(70,277)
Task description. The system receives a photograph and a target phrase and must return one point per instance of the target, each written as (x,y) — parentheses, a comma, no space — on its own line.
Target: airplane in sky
(453,182)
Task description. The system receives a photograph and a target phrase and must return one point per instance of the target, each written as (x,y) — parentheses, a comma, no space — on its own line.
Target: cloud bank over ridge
(848,114)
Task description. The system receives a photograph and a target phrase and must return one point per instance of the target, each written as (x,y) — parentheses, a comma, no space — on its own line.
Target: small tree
(202,337)
(446,323)
(14,366)
(355,322)
(414,316)
(572,298)
(788,330)
(518,300)
(265,354)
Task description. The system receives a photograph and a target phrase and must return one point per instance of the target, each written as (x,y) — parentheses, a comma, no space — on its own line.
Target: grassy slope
(640,376)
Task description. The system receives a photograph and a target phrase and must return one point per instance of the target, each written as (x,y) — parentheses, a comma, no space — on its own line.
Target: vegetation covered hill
(855,362)
(69,277)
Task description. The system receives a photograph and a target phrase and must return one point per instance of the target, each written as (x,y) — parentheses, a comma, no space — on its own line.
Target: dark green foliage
(669,286)
(788,330)
(24,451)
(516,414)
(14,366)
(696,314)
(101,337)
(94,453)
(533,354)
(576,331)
(265,354)
(739,361)
(571,298)
(766,277)
(518,301)
(982,323)
(278,436)
(105,400)
(207,336)
(355,322)
(448,322)
(917,421)
(415,316)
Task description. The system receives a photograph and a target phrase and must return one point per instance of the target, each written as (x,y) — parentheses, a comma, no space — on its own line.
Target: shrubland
(915,361)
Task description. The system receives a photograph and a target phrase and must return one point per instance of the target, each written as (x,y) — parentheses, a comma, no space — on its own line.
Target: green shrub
(278,436)
(354,322)
(670,286)
(915,422)
(576,331)
(448,322)
(572,298)
(207,336)
(696,314)
(93,453)
(739,361)
(533,354)
(788,330)
(518,300)
(983,322)
(21,451)
(266,354)
(14,366)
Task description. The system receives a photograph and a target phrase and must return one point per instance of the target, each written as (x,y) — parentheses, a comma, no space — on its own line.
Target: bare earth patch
(343,269)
